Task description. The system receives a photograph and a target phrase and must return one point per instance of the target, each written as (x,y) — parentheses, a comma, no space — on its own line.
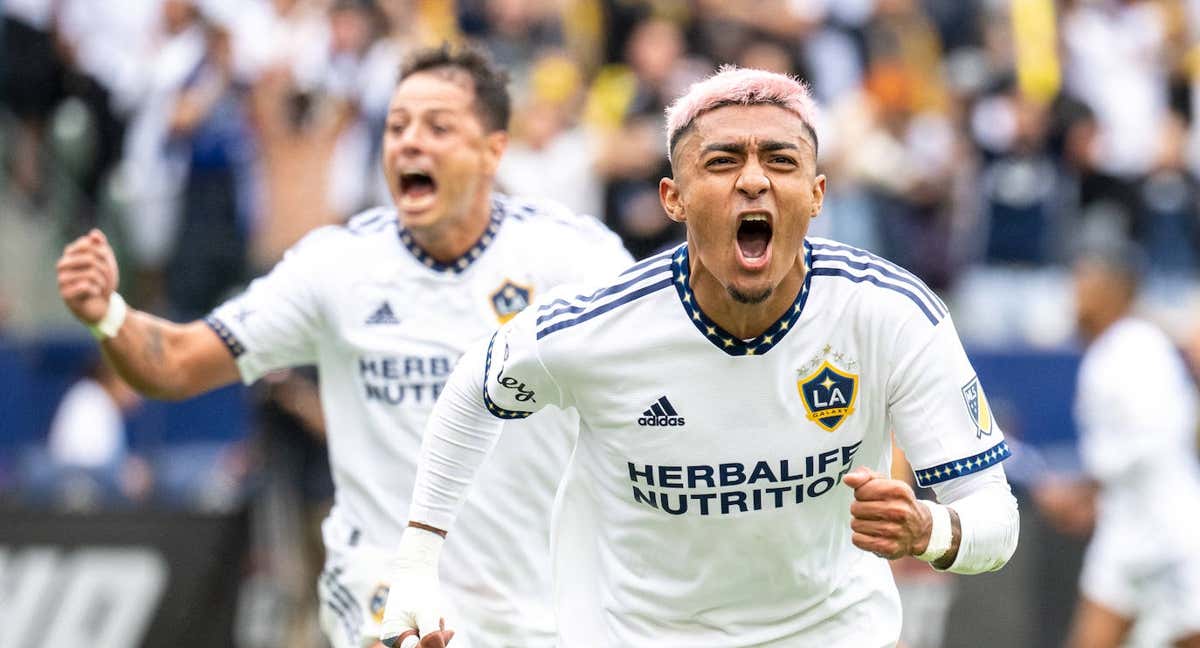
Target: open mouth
(754,236)
(417,184)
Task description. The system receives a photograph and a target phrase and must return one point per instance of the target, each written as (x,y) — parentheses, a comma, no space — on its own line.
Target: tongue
(417,187)
(752,240)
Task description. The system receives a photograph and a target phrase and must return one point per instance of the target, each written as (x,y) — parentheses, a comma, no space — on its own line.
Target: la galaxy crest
(378,602)
(977,406)
(829,395)
(509,299)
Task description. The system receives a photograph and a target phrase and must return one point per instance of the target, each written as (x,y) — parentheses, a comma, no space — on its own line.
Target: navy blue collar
(459,265)
(722,339)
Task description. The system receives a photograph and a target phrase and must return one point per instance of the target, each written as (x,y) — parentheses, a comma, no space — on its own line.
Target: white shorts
(1166,592)
(353,590)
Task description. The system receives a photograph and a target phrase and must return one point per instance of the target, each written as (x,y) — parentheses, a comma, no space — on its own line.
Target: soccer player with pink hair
(737,397)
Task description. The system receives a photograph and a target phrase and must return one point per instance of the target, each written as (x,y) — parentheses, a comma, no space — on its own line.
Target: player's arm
(500,380)
(159,358)
(944,425)
(887,519)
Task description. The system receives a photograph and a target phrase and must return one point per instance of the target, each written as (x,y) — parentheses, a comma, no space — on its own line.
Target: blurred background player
(384,306)
(90,462)
(726,388)
(1137,413)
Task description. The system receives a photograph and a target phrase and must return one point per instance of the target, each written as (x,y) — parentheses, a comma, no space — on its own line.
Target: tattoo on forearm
(153,349)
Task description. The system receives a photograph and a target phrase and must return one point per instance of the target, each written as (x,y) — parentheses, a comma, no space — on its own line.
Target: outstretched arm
(159,358)
(500,379)
(460,433)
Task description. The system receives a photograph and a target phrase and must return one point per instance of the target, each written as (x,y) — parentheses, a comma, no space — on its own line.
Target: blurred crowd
(976,142)
(209,135)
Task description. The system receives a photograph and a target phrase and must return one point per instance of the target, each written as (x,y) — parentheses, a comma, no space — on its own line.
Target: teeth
(754,218)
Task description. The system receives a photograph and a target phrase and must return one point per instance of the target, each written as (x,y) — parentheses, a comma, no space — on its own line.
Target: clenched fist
(886,518)
(87,276)
(415,615)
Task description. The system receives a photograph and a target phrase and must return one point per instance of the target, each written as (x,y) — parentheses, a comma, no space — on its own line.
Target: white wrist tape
(113,318)
(415,599)
(940,536)
(419,548)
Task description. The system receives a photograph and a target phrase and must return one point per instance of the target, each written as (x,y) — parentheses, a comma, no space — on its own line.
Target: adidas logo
(661,414)
(383,315)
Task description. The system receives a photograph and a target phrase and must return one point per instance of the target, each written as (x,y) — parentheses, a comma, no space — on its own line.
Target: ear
(818,194)
(672,202)
(494,145)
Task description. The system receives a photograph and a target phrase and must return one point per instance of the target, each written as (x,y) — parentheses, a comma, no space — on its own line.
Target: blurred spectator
(89,426)
(551,155)
(626,103)
(1020,182)
(105,52)
(208,120)
(316,157)
(906,158)
(1118,58)
(352,28)
(513,31)
(154,169)
(31,85)
(87,445)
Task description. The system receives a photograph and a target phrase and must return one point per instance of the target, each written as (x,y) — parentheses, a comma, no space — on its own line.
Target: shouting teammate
(384,306)
(724,389)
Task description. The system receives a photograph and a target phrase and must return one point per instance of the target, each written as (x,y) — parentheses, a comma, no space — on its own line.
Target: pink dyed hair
(732,85)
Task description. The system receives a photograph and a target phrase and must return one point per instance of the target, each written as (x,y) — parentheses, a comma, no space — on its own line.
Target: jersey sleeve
(516,383)
(937,405)
(491,383)
(277,321)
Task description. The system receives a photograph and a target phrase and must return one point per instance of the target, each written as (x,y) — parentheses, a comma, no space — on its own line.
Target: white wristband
(113,318)
(940,536)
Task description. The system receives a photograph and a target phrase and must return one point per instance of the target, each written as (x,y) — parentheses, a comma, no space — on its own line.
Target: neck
(1102,322)
(448,240)
(745,320)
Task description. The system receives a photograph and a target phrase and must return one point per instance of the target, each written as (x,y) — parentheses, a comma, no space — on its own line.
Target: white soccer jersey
(385,324)
(702,506)
(1137,413)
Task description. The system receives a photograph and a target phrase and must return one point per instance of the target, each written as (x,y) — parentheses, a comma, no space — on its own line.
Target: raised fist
(87,276)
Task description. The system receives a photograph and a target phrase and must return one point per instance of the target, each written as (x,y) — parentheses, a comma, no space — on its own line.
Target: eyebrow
(740,147)
(431,111)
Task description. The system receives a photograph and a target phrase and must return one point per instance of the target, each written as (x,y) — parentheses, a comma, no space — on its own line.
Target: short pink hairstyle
(732,85)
